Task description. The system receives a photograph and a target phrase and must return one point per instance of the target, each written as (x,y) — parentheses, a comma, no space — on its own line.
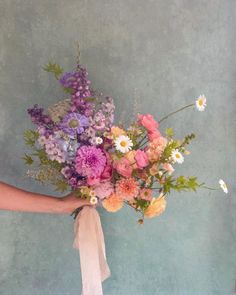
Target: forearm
(15,199)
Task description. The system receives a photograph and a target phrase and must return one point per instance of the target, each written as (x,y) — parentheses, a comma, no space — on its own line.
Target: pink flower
(148,122)
(107,172)
(91,180)
(103,189)
(141,159)
(123,167)
(146,194)
(153,135)
(168,167)
(127,188)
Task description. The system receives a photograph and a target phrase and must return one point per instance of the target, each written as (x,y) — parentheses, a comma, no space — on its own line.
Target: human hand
(71,203)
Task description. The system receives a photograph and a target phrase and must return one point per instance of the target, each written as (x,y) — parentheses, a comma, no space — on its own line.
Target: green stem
(172,113)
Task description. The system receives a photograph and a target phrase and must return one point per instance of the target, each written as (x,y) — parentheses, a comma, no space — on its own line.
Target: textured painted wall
(161,54)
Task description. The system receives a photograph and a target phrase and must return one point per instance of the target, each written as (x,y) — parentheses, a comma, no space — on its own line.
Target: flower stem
(172,113)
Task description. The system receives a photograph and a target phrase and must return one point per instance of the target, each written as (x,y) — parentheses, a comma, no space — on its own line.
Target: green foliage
(61,186)
(169,132)
(54,69)
(168,150)
(142,204)
(30,137)
(181,183)
(42,155)
(187,140)
(28,159)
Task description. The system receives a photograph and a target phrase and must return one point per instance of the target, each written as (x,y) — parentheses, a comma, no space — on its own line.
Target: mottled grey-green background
(151,56)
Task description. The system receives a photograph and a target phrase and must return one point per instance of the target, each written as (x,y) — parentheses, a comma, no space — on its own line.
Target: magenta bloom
(90,161)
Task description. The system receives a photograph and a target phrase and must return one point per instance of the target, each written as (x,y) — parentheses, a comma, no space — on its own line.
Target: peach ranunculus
(131,157)
(156,148)
(113,203)
(141,159)
(123,167)
(168,167)
(148,122)
(156,207)
(117,131)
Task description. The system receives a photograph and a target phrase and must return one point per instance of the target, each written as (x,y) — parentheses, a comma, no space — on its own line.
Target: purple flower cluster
(38,117)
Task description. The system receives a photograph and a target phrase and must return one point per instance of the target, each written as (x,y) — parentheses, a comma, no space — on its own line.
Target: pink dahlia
(90,161)
(127,188)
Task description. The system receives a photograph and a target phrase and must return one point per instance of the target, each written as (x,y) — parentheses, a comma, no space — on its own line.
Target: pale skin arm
(15,199)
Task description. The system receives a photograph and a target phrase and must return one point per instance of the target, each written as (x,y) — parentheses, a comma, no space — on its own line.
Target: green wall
(151,56)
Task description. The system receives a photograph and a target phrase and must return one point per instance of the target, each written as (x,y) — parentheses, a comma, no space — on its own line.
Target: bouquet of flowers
(76,146)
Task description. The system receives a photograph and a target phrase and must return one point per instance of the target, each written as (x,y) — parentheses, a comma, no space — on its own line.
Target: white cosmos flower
(177,156)
(93,200)
(201,103)
(123,143)
(223,186)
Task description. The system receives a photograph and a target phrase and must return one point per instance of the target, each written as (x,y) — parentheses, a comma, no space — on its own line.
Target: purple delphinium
(74,123)
(38,117)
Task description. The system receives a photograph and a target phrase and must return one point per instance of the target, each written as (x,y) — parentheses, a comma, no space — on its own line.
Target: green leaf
(28,159)
(30,137)
(54,69)
(42,155)
(169,132)
(61,186)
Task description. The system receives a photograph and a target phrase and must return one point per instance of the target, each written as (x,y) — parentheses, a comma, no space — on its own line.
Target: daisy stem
(210,188)
(172,113)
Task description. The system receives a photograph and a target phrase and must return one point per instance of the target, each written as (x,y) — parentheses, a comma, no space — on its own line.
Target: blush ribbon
(89,240)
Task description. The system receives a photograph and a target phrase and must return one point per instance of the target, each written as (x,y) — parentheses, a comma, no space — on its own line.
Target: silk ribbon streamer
(89,239)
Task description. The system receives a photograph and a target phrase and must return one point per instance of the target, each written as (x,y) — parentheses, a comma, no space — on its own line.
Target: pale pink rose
(168,167)
(148,122)
(141,159)
(145,194)
(123,167)
(154,135)
(103,189)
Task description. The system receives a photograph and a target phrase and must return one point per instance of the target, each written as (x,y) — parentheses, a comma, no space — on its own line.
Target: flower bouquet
(77,147)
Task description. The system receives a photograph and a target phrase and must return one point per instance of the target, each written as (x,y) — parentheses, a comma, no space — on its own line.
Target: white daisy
(98,140)
(177,156)
(93,200)
(223,186)
(123,143)
(201,103)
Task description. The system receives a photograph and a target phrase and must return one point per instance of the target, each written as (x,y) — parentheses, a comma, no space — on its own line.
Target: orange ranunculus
(117,131)
(156,207)
(113,203)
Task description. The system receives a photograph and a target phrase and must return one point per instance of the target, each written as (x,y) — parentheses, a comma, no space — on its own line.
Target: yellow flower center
(177,156)
(74,123)
(200,102)
(123,143)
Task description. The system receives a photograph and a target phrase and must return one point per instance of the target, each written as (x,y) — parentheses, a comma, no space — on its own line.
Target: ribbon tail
(89,239)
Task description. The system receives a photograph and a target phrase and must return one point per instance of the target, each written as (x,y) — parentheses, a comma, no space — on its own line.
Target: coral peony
(113,203)
(153,135)
(127,188)
(156,207)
